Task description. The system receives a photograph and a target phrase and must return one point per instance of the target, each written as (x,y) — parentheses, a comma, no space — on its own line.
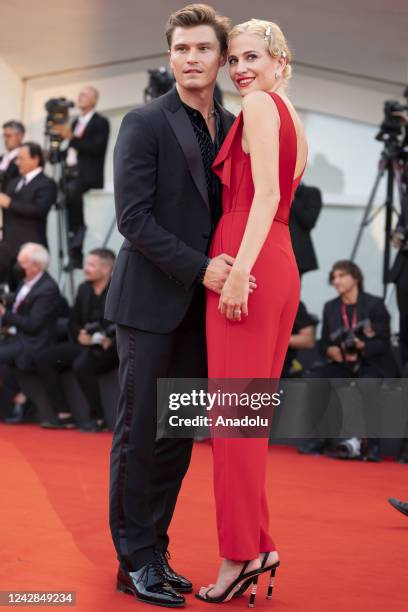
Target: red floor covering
(342,546)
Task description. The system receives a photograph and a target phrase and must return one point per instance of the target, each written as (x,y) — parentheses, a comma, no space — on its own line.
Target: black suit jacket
(91,148)
(26,218)
(36,319)
(399,270)
(163,212)
(9,174)
(304,213)
(80,314)
(377,351)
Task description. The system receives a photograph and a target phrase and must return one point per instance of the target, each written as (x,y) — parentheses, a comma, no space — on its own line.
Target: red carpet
(342,546)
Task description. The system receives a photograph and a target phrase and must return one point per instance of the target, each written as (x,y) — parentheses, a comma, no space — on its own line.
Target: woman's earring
(277,76)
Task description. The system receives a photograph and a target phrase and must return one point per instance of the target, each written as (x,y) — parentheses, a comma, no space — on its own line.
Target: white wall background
(11,94)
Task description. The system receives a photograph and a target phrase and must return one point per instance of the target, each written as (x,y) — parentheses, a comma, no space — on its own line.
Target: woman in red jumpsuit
(260,165)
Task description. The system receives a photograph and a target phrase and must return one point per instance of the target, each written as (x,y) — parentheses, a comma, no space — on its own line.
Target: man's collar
(88,116)
(31,175)
(34,280)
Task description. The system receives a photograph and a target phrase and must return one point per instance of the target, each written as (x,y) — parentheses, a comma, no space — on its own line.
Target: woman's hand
(234,295)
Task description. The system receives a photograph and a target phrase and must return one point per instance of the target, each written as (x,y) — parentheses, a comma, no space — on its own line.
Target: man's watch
(203,270)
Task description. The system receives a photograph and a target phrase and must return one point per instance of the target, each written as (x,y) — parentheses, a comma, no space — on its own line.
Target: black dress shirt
(209,150)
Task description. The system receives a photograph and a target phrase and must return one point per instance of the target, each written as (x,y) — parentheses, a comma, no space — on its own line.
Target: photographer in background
(25,206)
(92,350)
(356,342)
(13,135)
(84,165)
(28,319)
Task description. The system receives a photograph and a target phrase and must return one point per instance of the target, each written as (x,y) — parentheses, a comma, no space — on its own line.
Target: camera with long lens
(160,82)
(392,127)
(346,338)
(57,114)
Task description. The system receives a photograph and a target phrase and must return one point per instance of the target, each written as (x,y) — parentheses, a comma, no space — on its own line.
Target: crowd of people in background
(41,333)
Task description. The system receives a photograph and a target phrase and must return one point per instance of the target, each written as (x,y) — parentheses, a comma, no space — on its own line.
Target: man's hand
(64,131)
(5,200)
(218,271)
(334,353)
(397,240)
(106,343)
(403,115)
(84,338)
(2,310)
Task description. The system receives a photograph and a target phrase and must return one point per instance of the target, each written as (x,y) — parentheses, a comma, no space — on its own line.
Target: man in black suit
(88,139)
(91,351)
(399,276)
(29,321)
(13,135)
(26,205)
(367,351)
(167,205)
(304,212)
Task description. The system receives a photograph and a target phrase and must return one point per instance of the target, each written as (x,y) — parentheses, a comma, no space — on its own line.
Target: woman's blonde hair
(274,39)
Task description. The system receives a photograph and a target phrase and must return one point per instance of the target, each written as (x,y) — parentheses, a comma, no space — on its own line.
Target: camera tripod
(65,275)
(390,166)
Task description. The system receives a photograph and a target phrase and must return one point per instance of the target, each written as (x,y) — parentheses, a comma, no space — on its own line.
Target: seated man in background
(356,343)
(303,337)
(28,321)
(92,350)
(26,204)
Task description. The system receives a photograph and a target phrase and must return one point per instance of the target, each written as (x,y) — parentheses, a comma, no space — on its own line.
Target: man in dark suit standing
(29,321)
(167,205)
(26,205)
(88,139)
(13,135)
(399,276)
(304,212)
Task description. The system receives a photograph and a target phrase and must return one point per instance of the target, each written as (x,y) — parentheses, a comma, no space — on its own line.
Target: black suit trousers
(146,474)
(402,300)
(74,191)
(85,362)
(369,390)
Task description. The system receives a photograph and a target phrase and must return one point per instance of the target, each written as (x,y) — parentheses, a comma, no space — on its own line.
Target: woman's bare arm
(261,125)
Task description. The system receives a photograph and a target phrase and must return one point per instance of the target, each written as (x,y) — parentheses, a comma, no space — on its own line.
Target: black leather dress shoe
(313,447)
(178,582)
(373,452)
(17,416)
(59,423)
(399,505)
(403,454)
(148,584)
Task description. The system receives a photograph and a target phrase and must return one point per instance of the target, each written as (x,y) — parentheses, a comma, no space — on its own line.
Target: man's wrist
(203,270)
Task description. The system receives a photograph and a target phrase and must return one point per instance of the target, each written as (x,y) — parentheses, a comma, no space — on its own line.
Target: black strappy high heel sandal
(264,568)
(250,577)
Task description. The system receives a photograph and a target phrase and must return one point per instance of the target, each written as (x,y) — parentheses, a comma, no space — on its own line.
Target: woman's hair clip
(268,34)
